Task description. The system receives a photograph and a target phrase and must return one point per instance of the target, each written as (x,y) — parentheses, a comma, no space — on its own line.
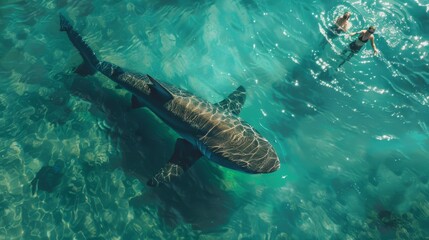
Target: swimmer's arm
(354,33)
(373,45)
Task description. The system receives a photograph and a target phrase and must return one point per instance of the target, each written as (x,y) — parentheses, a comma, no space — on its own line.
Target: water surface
(353,141)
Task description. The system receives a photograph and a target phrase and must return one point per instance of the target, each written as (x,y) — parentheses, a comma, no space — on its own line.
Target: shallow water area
(353,141)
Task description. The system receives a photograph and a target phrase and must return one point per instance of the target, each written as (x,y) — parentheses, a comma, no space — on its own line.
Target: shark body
(212,130)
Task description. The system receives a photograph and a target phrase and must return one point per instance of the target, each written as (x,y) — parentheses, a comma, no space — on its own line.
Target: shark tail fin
(65,25)
(90,61)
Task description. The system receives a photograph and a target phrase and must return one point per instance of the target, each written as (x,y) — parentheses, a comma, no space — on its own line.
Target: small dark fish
(47,178)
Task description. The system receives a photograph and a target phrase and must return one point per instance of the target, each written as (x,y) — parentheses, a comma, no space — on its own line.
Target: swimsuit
(334,31)
(356,47)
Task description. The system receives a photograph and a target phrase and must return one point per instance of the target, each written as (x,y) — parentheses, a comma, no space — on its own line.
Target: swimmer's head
(371,29)
(347,15)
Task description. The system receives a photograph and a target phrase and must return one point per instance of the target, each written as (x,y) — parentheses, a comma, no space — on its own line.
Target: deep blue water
(353,141)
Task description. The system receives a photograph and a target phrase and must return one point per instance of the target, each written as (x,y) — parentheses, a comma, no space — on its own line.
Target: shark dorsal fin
(164,94)
(234,102)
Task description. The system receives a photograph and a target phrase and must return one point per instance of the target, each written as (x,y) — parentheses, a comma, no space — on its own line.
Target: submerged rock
(47,178)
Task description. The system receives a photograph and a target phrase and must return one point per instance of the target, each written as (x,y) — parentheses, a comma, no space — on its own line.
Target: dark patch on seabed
(298,93)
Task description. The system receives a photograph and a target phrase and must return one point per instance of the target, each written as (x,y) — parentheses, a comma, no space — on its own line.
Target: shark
(213,130)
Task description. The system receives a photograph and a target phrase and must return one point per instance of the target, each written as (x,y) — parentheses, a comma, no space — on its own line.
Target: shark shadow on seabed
(191,199)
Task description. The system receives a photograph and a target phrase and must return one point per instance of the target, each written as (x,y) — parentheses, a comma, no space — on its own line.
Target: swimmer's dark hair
(347,15)
(371,28)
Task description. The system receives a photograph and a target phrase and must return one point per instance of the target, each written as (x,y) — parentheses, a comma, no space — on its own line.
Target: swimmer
(341,25)
(356,45)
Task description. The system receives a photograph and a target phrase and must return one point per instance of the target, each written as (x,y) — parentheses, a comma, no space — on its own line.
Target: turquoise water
(353,141)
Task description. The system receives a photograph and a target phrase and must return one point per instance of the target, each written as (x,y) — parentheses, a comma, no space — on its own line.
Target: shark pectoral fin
(162,93)
(184,156)
(235,101)
(165,174)
(135,103)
